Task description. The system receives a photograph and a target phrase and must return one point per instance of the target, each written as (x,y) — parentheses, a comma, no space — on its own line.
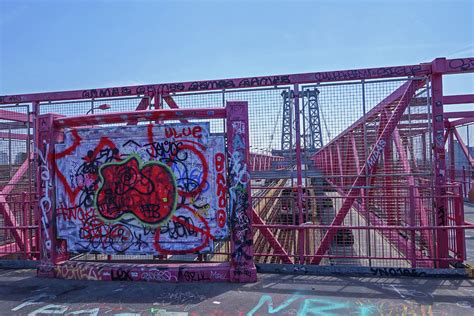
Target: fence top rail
(140,116)
(439,65)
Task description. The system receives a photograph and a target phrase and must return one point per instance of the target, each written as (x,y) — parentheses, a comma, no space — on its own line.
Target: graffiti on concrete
(143,189)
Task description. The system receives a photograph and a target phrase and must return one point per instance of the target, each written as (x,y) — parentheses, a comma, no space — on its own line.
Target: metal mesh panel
(265,112)
(84,107)
(198,100)
(265,115)
(15,150)
(462,168)
(382,225)
(398,192)
(16,184)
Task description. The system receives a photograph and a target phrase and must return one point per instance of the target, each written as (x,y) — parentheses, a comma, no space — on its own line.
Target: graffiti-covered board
(146,189)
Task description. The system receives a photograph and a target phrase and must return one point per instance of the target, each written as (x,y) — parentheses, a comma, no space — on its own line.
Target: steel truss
(348,163)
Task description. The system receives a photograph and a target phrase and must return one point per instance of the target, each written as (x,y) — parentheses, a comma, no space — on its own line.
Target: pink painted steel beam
(460,122)
(8,215)
(458,99)
(451,115)
(14,116)
(273,242)
(15,136)
(172,104)
(369,166)
(440,202)
(150,115)
(459,65)
(464,114)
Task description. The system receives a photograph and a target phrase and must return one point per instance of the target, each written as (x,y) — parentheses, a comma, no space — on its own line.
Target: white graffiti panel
(146,189)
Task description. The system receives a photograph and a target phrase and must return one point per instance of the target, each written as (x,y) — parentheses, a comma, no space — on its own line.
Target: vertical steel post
(469,168)
(9,152)
(423,148)
(412,224)
(240,204)
(45,191)
(452,166)
(36,213)
(287,123)
(24,221)
(299,178)
(364,190)
(464,179)
(439,155)
(391,205)
(28,150)
(459,220)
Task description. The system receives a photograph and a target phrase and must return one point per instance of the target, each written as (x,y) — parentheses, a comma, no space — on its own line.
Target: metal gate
(132,184)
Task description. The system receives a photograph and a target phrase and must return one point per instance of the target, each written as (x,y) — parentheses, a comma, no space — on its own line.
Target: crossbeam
(452,66)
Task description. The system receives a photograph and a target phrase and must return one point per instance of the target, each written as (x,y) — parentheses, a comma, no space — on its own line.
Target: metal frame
(240,268)
(330,157)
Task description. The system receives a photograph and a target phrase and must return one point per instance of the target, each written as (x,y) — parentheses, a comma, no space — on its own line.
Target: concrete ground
(22,293)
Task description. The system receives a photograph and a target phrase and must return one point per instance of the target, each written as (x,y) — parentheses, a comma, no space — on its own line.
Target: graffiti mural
(146,189)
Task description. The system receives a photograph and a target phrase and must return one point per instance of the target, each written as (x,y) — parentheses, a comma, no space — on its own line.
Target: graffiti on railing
(239,200)
(45,202)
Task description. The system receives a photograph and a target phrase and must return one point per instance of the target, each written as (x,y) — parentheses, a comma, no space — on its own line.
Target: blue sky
(65,45)
(68,45)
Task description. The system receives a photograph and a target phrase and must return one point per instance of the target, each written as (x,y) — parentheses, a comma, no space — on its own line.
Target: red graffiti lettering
(195,132)
(221,218)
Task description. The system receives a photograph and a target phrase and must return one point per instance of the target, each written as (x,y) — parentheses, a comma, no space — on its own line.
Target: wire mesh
(84,107)
(391,220)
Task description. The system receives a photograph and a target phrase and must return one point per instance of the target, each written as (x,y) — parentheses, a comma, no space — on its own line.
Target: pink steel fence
(18,223)
(18,227)
(366,184)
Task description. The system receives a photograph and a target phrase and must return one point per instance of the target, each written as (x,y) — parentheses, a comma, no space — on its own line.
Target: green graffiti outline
(141,164)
